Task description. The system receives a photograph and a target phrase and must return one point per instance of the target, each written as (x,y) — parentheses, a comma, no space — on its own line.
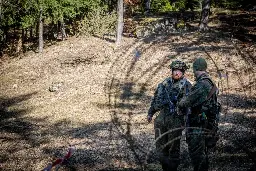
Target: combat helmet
(179,65)
(199,64)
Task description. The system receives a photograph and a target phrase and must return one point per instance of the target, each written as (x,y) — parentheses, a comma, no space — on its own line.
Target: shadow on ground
(242,26)
(17,130)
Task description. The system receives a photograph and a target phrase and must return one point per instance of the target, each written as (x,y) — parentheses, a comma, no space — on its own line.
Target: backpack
(212,109)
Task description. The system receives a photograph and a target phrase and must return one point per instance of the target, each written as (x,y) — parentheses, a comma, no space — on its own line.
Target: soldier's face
(177,74)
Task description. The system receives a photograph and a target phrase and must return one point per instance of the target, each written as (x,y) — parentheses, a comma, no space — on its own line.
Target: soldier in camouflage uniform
(170,119)
(204,106)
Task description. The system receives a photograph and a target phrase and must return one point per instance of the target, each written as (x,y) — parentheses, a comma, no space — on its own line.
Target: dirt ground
(90,94)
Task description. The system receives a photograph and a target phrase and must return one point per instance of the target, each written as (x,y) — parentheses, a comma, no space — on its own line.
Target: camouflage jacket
(197,97)
(168,90)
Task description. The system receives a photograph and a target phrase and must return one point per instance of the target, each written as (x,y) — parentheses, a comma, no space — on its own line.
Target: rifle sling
(213,90)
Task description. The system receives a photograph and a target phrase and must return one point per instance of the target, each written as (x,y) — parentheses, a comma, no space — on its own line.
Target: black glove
(150,114)
(149,118)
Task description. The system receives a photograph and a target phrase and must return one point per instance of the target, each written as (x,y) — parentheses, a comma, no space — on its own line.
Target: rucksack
(212,111)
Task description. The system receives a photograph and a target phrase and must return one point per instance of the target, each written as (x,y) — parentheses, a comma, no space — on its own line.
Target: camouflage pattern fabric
(179,65)
(199,118)
(168,146)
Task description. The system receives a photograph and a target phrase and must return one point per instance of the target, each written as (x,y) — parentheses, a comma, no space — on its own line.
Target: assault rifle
(170,102)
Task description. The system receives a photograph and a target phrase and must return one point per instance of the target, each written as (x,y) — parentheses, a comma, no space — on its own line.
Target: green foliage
(181,24)
(161,5)
(9,13)
(167,5)
(98,22)
(29,12)
(178,5)
(25,13)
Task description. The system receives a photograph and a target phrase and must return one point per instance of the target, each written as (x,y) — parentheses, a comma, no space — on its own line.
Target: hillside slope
(87,93)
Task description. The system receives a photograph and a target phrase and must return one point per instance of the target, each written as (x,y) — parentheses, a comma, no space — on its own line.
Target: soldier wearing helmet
(179,65)
(204,108)
(169,122)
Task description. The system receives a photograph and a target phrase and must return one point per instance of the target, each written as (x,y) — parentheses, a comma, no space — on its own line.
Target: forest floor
(90,94)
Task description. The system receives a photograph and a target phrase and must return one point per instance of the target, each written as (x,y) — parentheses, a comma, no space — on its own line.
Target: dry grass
(103,96)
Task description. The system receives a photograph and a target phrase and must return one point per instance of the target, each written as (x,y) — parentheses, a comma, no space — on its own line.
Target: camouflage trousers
(168,131)
(195,138)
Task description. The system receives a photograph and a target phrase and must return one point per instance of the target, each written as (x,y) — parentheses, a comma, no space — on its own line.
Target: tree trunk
(23,38)
(6,36)
(205,15)
(41,40)
(26,35)
(63,32)
(31,33)
(0,11)
(147,6)
(1,31)
(14,31)
(19,43)
(120,21)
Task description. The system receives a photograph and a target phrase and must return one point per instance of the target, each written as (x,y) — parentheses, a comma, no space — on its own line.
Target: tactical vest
(175,91)
(210,102)
(211,106)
